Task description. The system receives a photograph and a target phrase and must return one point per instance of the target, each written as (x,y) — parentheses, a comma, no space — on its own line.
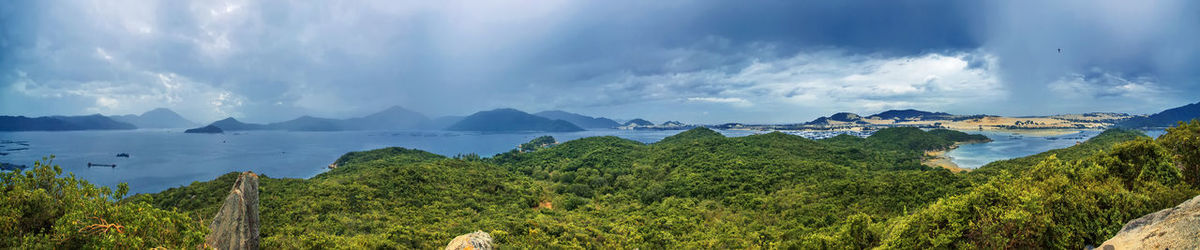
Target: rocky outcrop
(1172,228)
(472,241)
(236,225)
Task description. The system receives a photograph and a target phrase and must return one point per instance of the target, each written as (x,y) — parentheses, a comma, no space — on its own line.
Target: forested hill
(699,189)
(1166,118)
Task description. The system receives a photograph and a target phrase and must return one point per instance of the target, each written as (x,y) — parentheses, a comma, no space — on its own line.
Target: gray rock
(236,224)
(1172,228)
(472,241)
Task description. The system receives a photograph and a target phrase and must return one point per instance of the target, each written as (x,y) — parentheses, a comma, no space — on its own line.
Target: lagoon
(1012,144)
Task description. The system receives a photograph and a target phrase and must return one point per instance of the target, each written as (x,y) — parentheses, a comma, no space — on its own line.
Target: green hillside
(699,189)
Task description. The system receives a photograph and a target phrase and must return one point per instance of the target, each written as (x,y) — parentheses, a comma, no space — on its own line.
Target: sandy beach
(939,159)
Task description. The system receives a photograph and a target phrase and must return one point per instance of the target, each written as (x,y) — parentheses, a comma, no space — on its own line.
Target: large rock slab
(235,225)
(472,241)
(1172,228)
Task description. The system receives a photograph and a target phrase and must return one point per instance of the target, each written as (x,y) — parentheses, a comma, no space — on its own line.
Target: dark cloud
(711,61)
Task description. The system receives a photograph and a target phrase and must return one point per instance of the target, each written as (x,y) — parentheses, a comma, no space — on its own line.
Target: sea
(159,159)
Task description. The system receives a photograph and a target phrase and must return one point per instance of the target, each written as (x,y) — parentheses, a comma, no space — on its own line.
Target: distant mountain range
(61,123)
(557,121)
(511,120)
(394,117)
(1166,118)
(847,118)
(156,118)
(582,121)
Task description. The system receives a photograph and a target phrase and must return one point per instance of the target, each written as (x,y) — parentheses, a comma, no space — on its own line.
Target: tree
(1184,141)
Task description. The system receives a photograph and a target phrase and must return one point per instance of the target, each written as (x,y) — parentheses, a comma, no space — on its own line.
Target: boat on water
(101,165)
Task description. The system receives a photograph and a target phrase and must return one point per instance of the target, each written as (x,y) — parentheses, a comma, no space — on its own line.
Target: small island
(210,129)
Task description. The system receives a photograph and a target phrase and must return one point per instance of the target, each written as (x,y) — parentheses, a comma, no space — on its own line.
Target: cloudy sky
(694,61)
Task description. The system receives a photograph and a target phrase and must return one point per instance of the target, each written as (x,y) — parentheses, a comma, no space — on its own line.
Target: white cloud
(143,91)
(728,100)
(829,80)
(1106,85)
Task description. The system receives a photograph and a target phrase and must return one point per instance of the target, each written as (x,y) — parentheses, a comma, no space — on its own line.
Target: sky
(691,61)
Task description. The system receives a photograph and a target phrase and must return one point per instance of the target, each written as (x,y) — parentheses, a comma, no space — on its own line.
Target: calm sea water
(161,159)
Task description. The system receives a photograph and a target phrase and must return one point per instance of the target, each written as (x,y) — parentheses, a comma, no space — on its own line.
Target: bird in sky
(1060,50)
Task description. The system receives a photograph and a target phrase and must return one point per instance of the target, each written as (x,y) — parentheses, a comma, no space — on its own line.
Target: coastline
(938,158)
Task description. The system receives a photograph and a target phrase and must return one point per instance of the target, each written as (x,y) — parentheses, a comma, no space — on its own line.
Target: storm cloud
(711,61)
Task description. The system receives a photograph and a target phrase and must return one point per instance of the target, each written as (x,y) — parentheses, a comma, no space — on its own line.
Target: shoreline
(940,159)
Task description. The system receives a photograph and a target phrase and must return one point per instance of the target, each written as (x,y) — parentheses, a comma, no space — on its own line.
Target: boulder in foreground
(472,241)
(1171,228)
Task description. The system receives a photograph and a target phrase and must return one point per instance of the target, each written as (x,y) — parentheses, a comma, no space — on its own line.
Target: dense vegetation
(41,210)
(699,189)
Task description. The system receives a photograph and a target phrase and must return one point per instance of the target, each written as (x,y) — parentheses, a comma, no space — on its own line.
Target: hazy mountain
(59,123)
(307,123)
(1166,118)
(511,120)
(909,114)
(394,117)
(230,124)
(210,129)
(445,121)
(156,118)
(582,121)
(639,122)
(672,124)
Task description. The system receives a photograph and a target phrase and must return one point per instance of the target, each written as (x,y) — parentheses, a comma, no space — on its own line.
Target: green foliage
(1184,141)
(42,210)
(909,138)
(698,133)
(958,136)
(537,143)
(699,189)
(1055,204)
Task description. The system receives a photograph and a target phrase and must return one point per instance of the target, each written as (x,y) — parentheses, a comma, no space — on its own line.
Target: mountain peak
(909,114)
(160,111)
(507,119)
(578,119)
(156,118)
(845,117)
(639,122)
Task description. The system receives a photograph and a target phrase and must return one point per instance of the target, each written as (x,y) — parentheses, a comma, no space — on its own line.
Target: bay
(165,158)
(1013,144)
